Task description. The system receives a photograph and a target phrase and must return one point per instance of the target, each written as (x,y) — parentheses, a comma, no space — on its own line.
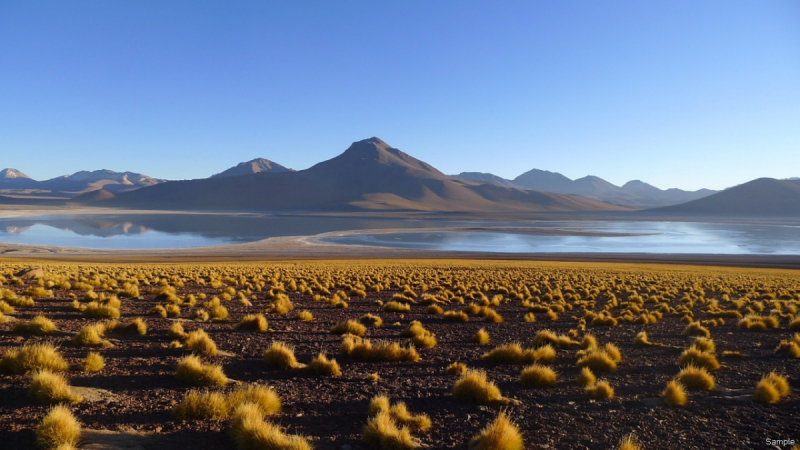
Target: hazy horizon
(676,94)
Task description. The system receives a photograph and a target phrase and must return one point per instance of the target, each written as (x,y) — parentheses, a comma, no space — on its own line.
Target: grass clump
(358,348)
(253,322)
(420,337)
(251,432)
(457,368)
(94,362)
(49,387)
(200,342)
(501,434)
(393,306)
(90,335)
(350,327)
(474,386)
(696,357)
(32,357)
(481,337)
(696,329)
(58,430)
(629,442)
(383,432)
(695,378)
(101,311)
(674,394)
(537,375)
(601,390)
(176,331)
(201,405)
(264,397)
(192,370)
(304,315)
(37,325)
(371,320)
(399,413)
(598,361)
(321,365)
(134,326)
(456,316)
(280,356)
(771,388)
(586,377)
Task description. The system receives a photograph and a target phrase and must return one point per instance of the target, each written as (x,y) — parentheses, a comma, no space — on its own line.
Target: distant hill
(369,175)
(14,179)
(483,177)
(14,182)
(761,197)
(543,180)
(257,165)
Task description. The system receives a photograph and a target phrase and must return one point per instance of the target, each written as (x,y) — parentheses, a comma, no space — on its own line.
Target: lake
(145,231)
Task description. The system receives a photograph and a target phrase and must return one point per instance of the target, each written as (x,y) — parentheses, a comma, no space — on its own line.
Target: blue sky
(683,94)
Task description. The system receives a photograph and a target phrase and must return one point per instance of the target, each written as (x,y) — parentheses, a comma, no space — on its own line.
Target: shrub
(32,357)
(457,368)
(789,347)
(264,397)
(696,329)
(49,387)
(350,327)
(358,348)
(601,390)
(456,316)
(382,432)
(434,309)
(586,377)
(641,340)
(201,315)
(393,306)
(280,356)
(371,320)
(176,331)
(399,413)
(219,313)
(200,342)
(104,311)
(94,362)
(251,432)
(38,325)
(530,317)
(201,405)
(613,352)
(193,370)
(538,375)
(253,322)
(90,335)
(59,429)
(766,392)
(780,382)
(321,365)
(135,326)
(598,361)
(705,345)
(474,386)
(514,354)
(481,337)
(695,378)
(629,443)
(501,434)
(305,315)
(694,356)
(674,394)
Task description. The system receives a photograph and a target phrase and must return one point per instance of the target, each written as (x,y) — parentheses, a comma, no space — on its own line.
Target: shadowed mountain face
(635,194)
(761,197)
(257,165)
(369,175)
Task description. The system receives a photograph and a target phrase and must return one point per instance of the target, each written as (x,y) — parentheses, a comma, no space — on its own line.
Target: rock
(31,272)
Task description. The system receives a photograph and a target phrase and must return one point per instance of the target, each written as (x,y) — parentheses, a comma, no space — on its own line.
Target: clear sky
(682,94)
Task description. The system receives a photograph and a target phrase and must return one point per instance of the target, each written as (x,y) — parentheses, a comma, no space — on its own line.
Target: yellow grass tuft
(191,369)
(766,392)
(304,315)
(696,357)
(280,356)
(481,337)
(601,390)
(90,335)
(695,378)
(629,442)
(49,387)
(586,377)
(32,357)
(538,375)
(350,327)
(501,434)
(674,394)
(363,349)
(59,429)
(200,342)
(94,362)
(383,432)
(474,386)
(457,368)
(264,397)
(598,361)
(201,405)
(321,365)
(251,432)
(38,325)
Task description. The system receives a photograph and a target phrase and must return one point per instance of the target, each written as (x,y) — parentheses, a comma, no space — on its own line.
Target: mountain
(14,179)
(86,181)
(369,175)
(483,177)
(257,165)
(761,197)
(543,180)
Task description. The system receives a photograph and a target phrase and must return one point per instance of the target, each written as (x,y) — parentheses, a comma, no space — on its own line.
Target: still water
(130,231)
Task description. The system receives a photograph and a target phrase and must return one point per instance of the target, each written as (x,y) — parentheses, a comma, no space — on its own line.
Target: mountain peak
(257,165)
(12,173)
(375,150)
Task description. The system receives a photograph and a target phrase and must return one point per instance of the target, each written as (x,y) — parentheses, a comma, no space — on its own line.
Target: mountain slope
(761,197)
(369,175)
(14,179)
(86,181)
(257,165)
(543,180)
(483,177)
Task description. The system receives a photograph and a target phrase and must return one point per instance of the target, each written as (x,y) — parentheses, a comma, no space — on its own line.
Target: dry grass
(321,365)
(134,326)
(371,320)
(766,392)
(49,387)
(695,378)
(457,368)
(32,357)
(514,354)
(350,327)
(481,337)
(200,342)
(253,322)
(358,348)
(251,432)
(601,390)
(598,361)
(201,405)
(90,335)
(474,386)
(538,375)
(192,370)
(399,413)
(586,377)
(674,394)
(280,356)
(696,329)
(396,307)
(304,315)
(37,325)
(59,429)
(176,331)
(383,432)
(264,397)
(501,434)
(696,357)
(629,442)
(94,362)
